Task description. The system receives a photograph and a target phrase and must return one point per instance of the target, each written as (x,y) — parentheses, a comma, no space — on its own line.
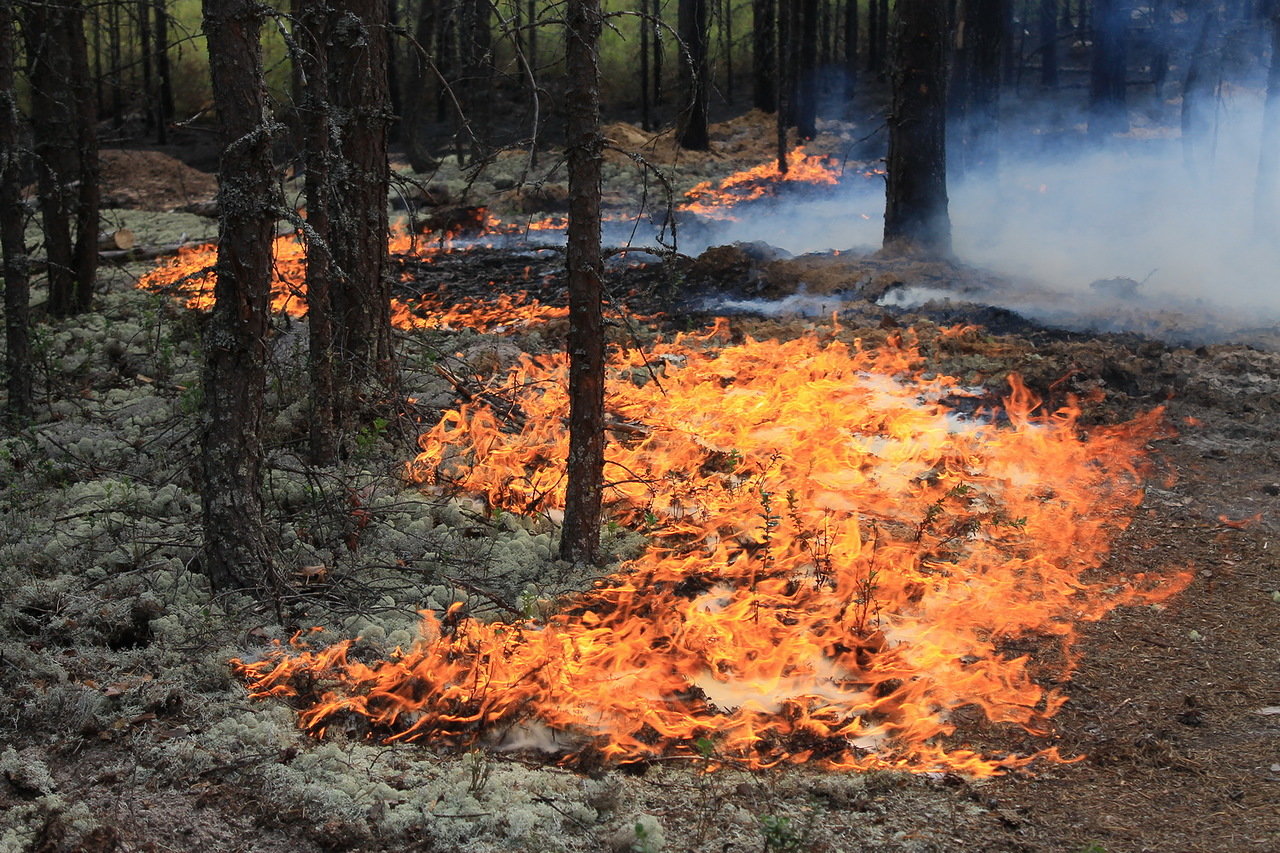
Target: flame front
(837,563)
(189,276)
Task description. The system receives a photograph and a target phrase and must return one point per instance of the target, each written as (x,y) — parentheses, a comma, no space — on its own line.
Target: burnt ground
(121,729)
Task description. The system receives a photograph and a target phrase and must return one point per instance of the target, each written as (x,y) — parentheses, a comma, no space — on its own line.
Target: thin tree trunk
(693,68)
(764,86)
(235,342)
(658,36)
(315,112)
(580,536)
(916,218)
(17,287)
(354,202)
(873,37)
(64,115)
(646,116)
(1196,95)
(415,128)
(164,76)
(146,50)
(1267,193)
(850,48)
(1049,44)
(807,71)
(1108,112)
(974,97)
(114,33)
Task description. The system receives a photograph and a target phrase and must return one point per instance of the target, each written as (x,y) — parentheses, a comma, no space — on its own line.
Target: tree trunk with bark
(916,218)
(693,74)
(235,341)
(851,29)
(764,86)
(164,74)
(806,95)
(415,126)
(348,283)
(17,288)
(975,90)
(64,119)
(580,536)
(1108,110)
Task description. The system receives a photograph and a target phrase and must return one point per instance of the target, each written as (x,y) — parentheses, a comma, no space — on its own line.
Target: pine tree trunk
(693,74)
(764,88)
(850,48)
(235,341)
(17,288)
(348,283)
(580,536)
(807,71)
(974,97)
(1108,112)
(422,79)
(63,118)
(1049,44)
(916,218)
(164,75)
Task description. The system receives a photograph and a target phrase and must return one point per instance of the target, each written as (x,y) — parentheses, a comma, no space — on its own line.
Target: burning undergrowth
(836,562)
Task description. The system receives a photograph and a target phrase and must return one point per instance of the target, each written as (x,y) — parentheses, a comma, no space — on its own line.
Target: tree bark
(64,117)
(764,94)
(693,74)
(348,284)
(235,341)
(916,218)
(17,290)
(164,76)
(580,536)
(850,48)
(1108,112)
(806,75)
(415,126)
(975,90)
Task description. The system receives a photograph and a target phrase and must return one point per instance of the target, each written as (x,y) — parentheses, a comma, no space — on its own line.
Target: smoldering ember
(676,426)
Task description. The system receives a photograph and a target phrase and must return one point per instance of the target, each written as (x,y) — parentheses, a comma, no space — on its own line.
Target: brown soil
(151,180)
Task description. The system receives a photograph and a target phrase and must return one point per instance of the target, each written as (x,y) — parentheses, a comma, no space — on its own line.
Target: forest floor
(124,729)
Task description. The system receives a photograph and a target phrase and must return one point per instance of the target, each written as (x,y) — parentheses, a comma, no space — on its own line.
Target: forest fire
(189,276)
(716,202)
(837,563)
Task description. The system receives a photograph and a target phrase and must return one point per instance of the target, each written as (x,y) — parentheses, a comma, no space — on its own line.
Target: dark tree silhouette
(235,340)
(805,79)
(63,119)
(1267,198)
(17,289)
(1108,111)
(693,74)
(164,74)
(1048,26)
(580,536)
(916,218)
(348,288)
(975,84)
(764,88)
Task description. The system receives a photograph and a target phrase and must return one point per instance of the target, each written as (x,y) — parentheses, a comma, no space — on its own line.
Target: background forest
(418,425)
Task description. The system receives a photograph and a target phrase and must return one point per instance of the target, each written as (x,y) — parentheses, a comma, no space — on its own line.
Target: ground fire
(837,563)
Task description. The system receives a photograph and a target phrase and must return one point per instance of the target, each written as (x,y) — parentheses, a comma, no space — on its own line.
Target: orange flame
(837,563)
(716,202)
(189,276)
